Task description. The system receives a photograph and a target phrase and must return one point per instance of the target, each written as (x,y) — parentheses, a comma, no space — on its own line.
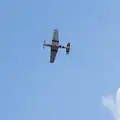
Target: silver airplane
(54,46)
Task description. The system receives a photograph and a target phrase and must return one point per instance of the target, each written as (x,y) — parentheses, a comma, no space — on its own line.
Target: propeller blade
(44,41)
(43,44)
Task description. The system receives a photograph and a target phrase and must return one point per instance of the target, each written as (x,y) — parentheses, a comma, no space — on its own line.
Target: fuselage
(53,45)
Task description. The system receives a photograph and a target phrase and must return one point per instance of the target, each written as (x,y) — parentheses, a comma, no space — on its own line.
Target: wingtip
(51,62)
(56,29)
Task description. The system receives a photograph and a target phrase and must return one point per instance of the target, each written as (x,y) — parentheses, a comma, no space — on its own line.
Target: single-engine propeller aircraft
(54,46)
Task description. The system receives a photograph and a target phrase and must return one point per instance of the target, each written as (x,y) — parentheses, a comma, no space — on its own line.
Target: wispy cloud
(112,104)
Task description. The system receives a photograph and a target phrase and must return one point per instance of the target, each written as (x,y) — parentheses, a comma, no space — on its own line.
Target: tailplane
(68,48)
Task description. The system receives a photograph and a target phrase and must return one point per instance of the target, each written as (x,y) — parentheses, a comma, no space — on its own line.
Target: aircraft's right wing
(53,54)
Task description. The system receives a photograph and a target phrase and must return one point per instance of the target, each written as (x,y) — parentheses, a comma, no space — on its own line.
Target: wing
(54,50)
(55,39)
(53,54)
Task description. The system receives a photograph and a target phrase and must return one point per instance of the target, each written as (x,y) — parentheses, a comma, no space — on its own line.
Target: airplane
(55,45)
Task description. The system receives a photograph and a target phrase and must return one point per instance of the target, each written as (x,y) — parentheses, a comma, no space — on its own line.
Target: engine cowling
(68,48)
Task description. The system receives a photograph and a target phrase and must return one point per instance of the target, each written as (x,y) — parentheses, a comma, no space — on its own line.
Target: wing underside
(53,55)
(55,39)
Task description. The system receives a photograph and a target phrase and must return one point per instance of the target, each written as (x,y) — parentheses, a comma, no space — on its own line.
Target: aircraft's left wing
(53,54)
(55,39)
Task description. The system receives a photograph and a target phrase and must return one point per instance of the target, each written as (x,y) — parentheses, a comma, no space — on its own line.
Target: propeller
(43,44)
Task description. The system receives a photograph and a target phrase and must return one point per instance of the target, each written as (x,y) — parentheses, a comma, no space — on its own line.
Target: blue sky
(71,89)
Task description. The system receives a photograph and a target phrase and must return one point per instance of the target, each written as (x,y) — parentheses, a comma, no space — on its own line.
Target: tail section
(68,48)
